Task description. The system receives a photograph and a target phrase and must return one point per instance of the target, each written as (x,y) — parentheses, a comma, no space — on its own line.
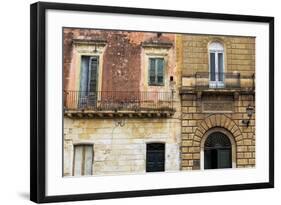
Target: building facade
(121,102)
(137,102)
(218,101)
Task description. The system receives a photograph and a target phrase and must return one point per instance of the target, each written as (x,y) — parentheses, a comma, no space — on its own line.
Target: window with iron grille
(156,71)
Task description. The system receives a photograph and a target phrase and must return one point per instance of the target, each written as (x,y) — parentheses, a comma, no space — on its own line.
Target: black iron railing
(118,100)
(217,80)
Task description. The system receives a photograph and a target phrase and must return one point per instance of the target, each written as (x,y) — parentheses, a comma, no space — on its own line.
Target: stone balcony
(202,82)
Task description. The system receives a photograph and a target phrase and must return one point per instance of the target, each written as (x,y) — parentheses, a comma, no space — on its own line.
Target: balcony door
(88,82)
(216,64)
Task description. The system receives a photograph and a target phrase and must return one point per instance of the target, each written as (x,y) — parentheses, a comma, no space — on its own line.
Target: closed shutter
(83,160)
(213,66)
(152,71)
(160,71)
(220,66)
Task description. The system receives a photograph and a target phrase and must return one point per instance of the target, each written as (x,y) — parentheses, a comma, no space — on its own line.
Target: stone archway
(192,149)
(217,120)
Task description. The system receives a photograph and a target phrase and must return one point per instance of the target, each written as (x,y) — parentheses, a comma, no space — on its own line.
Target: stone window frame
(92,48)
(230,137)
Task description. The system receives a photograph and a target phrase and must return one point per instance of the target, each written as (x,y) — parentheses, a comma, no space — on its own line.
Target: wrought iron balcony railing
(118,101)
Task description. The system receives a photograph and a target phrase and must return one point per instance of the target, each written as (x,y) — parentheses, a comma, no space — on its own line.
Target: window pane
(212,67)
(160,70)
(84,73)
(160,79)
(220,66)
(84,78)
(78,160)
(224,158)
(152,72)
(88,160)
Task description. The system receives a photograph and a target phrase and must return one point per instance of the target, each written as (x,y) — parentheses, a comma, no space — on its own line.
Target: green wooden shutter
(83,160)
(152,73)
(160,71)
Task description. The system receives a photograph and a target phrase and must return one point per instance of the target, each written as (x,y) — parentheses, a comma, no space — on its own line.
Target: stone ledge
(118,114)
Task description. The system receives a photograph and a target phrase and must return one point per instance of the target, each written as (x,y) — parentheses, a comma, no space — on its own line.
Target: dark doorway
(217,151)
(155,157)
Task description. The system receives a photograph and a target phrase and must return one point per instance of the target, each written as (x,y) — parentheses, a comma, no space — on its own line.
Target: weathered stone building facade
(121,101)
(218,101)
(137,102)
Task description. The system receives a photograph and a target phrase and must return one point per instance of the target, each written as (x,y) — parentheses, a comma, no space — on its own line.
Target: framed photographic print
(129,102)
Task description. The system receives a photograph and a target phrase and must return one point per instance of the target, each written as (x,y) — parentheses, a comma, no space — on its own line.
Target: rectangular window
(156,71)
(216,69)
(83,160)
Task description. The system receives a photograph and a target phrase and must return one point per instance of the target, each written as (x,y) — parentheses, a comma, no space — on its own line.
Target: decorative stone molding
(217,120)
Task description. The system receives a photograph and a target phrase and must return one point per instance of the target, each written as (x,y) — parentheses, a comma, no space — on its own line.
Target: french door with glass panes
(216,69)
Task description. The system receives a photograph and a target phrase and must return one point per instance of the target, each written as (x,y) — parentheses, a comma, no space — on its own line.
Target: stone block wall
(195,123)
(239,53)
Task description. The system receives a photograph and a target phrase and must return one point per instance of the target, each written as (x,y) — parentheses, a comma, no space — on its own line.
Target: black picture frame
(38,101)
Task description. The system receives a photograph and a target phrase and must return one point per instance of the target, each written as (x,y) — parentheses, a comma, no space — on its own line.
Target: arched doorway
(217,151)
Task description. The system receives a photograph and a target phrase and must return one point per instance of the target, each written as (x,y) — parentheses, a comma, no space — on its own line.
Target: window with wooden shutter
(156,71)
(83,160)
(88,81)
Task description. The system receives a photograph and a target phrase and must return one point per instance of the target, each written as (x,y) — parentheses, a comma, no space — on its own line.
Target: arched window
(155,157)
(217,151)
(216,64)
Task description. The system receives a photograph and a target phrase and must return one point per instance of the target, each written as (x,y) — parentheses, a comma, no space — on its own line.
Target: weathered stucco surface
(118,149)
(123,66)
